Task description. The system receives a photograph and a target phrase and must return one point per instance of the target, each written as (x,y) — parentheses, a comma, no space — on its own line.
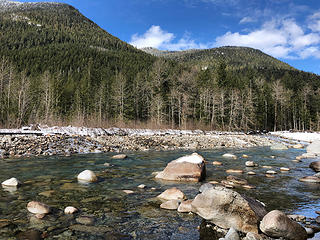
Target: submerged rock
(276,224)
(278,146)
(188,168)
(87,176)
(119,156)
(229,155)
(310,179)
(315,166)
(38,208)
(226,208)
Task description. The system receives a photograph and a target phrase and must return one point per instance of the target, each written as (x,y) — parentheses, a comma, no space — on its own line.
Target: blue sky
(287,30)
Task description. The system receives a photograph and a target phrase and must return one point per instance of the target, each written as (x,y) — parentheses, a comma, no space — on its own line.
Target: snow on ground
(299,136)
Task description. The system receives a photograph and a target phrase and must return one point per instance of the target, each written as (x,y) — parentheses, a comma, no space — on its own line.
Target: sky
(285,29)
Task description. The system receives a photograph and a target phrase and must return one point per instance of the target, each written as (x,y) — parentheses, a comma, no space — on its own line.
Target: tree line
(166,94)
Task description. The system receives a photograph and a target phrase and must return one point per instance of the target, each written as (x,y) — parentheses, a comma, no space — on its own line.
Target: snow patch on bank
(298,136)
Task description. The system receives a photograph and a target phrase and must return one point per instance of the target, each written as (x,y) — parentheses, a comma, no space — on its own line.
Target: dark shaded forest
(58,67)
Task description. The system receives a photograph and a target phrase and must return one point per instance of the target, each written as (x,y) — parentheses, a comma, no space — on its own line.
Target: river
(52,180)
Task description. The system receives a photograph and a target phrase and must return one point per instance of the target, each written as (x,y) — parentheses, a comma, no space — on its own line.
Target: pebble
(119,156)
(38,208)
(249,187)
(251,164)
(128,191)
(245,156)
(229,155)
(271,172)
(284,169)
(251,173)
(234,171)
(216,163)
(270,176)
(142,186)
(268,167)
(310,179)
(87,176)
(70,210)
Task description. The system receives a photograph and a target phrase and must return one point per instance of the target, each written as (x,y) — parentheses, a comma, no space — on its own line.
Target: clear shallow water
(138,216)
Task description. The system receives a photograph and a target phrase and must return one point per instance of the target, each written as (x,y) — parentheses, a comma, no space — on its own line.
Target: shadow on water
(119,215)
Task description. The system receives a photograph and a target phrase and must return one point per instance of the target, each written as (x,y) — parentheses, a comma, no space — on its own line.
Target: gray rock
(170,205)
(185,206)
(276,224)
(314,148)
(232,235)
(86,220)
(226,208)
(253,236)
(205,187)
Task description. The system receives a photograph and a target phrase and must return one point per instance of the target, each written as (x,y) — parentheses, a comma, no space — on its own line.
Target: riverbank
(307,137)
(74,140)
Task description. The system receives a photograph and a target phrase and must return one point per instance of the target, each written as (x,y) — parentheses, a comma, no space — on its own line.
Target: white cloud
(282,38)
(247,20)
(314,22)
(157,38)
(154,37)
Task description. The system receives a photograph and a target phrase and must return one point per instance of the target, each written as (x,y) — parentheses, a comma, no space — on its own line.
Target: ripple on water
(53,181)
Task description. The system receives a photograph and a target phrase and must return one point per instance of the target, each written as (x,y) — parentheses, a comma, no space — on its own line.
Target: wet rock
(237,180)
(187,168)
(229,155)
(87,176)
(185,206)
(29,235)
(297,218)
(142,186)
(170,205)
(251,173)
(278,146)
(128,191)
(12,182)
(70,210)
(245,156)
(310,232)
(239,171)
(315,166)
(251,164)
(308,155)
(284,169)
(317,175)
(276,224)
(38,208)
(86,220)
(216,163)
(271,172)
(205,187)
(119,156)
(314,148)
(310,179)
(172,194)
(248,186)
(226,208)
(47,194)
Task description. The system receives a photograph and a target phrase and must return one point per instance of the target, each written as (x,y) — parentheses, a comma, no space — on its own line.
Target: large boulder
(188,168)
(226,208)
(276,224)
(314,148)
(315,166)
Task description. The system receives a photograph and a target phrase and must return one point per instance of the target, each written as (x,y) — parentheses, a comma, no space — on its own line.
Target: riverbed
(117,215)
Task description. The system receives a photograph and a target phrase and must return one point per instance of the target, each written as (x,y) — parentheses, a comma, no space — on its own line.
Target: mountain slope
(56,36)
(235,57)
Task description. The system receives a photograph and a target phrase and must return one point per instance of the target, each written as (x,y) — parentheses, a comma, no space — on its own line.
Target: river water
(52,180)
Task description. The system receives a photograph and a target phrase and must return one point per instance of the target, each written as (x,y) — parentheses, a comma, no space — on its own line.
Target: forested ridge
(58,67)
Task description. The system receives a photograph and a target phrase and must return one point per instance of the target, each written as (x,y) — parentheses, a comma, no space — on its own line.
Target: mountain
(237,57)
(59,67)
